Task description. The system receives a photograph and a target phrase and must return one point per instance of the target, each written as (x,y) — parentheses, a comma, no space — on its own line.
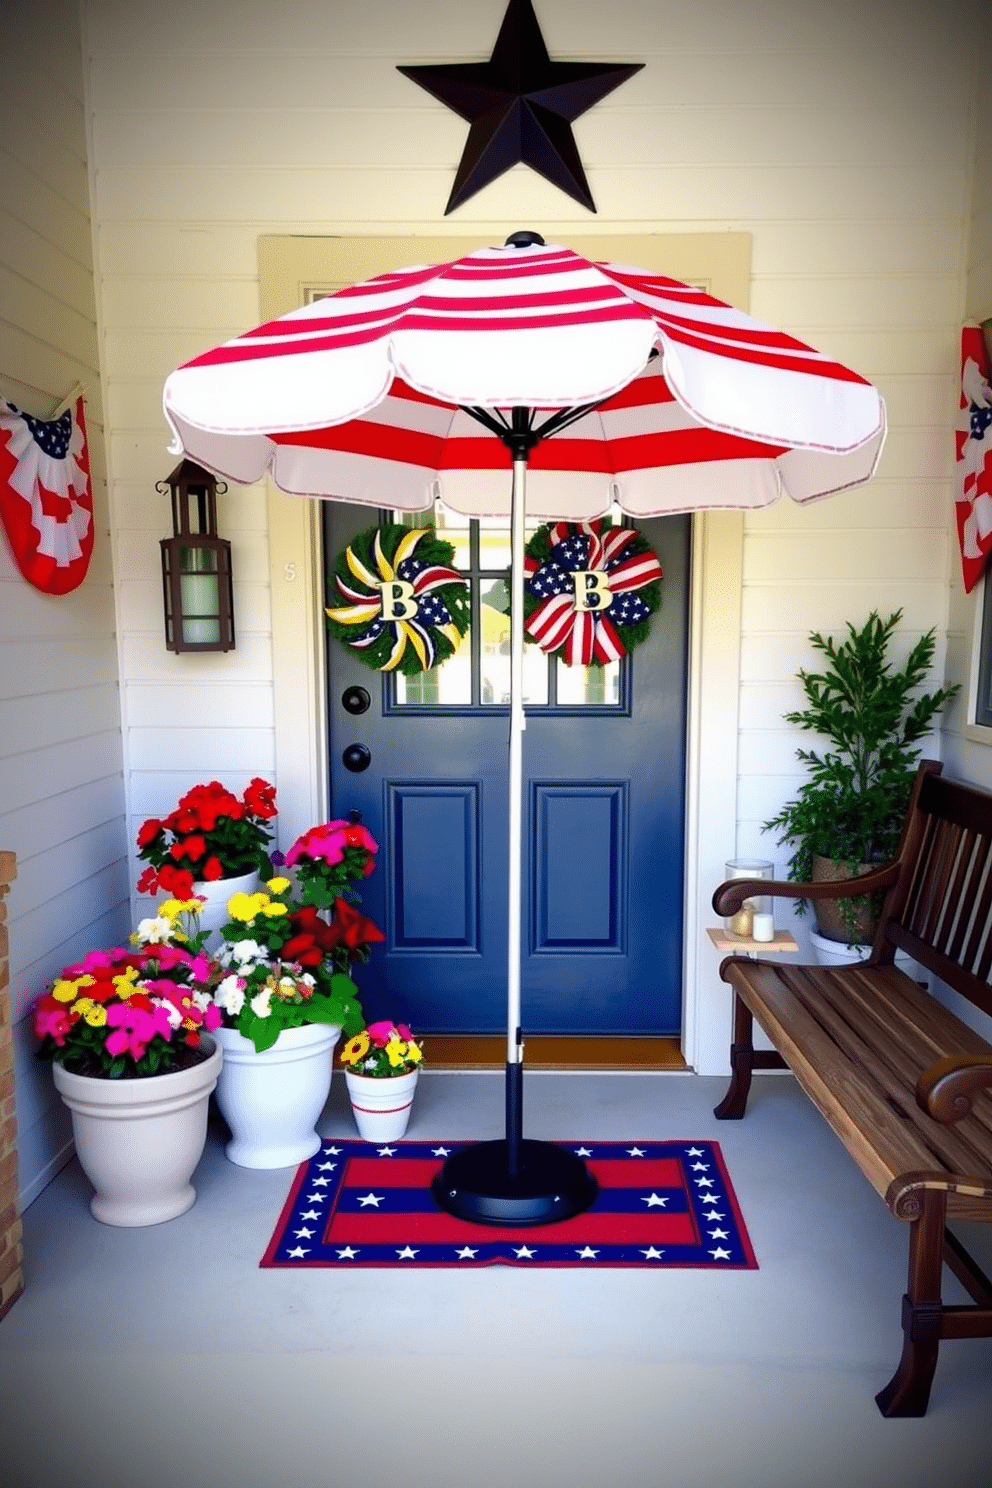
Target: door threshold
(553,1051)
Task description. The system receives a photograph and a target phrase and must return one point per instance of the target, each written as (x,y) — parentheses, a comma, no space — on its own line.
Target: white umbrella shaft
(514,1045)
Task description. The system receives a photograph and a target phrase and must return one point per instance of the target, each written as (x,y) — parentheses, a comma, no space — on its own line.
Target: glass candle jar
(742,923)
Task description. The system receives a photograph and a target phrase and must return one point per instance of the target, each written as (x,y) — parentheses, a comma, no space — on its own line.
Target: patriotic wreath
(590,590)
(405,606)
(46,496)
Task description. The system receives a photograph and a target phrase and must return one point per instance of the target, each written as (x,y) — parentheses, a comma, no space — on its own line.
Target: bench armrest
(729,897)
(946,1090)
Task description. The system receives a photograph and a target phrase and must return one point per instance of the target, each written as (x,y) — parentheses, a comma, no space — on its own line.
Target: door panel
(603,824)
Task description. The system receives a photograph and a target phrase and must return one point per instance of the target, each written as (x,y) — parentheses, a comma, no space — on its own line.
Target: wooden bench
(902,1081)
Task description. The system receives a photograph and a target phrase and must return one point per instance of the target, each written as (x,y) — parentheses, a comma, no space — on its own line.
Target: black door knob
(356,757)
(355,700)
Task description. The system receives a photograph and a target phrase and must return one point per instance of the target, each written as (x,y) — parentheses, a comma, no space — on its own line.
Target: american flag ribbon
(46,496)
(578,547)
(973,505)
(662,1204)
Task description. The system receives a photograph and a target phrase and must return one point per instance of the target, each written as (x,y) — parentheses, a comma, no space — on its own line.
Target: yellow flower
(94,1012)
(272,909)
(356,1048)
(277,885)
(413,1052)
(65,991)
(124,979)
(396,1052)
(246,906)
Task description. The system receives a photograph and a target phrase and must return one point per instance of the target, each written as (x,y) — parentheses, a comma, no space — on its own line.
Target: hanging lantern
(196,565)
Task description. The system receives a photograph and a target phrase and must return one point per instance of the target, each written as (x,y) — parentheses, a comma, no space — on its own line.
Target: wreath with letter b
(405,606)
(590,590)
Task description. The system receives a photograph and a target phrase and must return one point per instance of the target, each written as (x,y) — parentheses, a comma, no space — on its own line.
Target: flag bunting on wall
(973,504)
(46,496)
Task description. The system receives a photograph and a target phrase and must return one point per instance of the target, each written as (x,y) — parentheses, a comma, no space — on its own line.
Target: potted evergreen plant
(847,817)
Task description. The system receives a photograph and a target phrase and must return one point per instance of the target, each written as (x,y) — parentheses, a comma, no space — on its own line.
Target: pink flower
(51,1017)
(330,840)
(212,1016)
(133,1028)
(380,1033)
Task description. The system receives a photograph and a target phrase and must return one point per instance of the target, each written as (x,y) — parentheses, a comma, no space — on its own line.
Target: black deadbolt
(355,700)
(356,758)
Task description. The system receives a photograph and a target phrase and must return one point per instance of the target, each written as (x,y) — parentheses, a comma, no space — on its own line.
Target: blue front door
(604,752)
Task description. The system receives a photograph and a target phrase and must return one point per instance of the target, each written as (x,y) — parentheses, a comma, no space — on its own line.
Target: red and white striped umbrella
(435,382)
(362,395)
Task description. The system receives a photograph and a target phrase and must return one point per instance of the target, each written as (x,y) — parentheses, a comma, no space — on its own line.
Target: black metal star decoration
(520,106)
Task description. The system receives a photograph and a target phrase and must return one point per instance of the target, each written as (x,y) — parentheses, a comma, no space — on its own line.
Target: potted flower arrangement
(846,819)
(382,1063)
(283,1002)
(213,844)
(129,1035)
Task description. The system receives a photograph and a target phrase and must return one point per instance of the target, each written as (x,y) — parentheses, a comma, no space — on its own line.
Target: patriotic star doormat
(660,1204)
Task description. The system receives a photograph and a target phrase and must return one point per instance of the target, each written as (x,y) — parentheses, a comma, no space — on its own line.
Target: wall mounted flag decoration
(590,590)
(406,607)
(46,496)
(973,504)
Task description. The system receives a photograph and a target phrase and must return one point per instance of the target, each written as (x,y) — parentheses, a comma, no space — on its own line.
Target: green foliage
(853,804)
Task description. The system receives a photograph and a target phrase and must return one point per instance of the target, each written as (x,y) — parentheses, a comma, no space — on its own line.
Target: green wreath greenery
(540,550)
(418,556)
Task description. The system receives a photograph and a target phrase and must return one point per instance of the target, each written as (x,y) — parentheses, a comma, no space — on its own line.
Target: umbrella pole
(518,722)
(515,1183)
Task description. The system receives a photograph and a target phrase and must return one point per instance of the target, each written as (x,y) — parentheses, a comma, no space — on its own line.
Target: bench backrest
(939,911)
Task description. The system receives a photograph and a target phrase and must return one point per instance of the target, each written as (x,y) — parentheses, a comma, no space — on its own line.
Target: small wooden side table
(724,941)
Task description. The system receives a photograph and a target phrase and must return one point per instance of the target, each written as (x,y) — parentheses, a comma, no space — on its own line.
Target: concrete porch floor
(164,1357)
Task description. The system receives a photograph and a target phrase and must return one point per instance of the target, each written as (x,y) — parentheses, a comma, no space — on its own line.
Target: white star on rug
(719,1234)
(635,1151)
(700,1167)
(694,1152)
(387,1151)
(297,1253)
(315,1198)
(406,1254)
(651,1254)
(467,1253)
(587,1253)
(703,1182)
(303,1234)
(310,1214)
(653,1201)
(327,1167)
(714,1214)
(332,1151)
(321,1182)
(583,1152)
(720,1255)
(347,1254)
(523,1253)
(440,1151)
(370,1198)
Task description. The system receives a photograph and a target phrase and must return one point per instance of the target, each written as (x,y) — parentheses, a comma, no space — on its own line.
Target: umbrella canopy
(448,382)
(362,395)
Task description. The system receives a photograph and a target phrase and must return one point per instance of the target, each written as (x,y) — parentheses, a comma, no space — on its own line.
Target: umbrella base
(550,1185)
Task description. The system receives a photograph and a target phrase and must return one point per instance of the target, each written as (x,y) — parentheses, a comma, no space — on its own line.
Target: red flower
(148,882)
(354,929)
(176,881)
(212,869)
(189,847)
(148,831)
(260,798)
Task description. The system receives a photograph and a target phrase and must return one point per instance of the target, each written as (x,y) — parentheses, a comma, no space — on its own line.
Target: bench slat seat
(904,1082)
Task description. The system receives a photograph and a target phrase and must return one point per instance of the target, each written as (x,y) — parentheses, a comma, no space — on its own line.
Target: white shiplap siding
(61,771)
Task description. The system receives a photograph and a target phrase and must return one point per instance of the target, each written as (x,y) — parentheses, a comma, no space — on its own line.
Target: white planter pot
(217,892)
(273,1100)
(138,1141)
(835,953)
(381,1107)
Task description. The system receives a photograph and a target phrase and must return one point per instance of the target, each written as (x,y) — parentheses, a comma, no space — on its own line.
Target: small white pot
(836,953)
(273,1100)
(217,892)
(381,1107)
(138,1141)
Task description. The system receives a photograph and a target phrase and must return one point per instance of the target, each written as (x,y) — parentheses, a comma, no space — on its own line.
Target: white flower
(245,951)
(230,995)
(154,931)
(260,1004)
(201,999)
(173,1014)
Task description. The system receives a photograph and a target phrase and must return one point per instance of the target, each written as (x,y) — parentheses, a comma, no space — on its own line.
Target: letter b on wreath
(398,602)
(592,591)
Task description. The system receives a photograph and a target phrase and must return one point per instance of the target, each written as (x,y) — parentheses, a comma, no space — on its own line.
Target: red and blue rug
(660,1204)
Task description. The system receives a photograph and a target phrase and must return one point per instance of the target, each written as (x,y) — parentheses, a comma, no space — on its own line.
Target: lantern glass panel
(200,590)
